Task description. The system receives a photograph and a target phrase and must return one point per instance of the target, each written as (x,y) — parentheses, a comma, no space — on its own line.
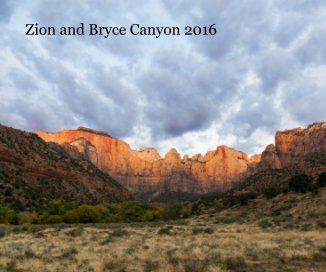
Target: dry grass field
(286,233)
(196,244)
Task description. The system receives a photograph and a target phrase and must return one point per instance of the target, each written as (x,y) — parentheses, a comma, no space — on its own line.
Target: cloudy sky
(265,70)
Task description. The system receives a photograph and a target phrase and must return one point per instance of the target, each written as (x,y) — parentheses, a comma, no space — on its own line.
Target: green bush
(71,217)
(75,232)
(42,218)
(106,215)
(301,183)
(165,230)
(197,230)
(175,211)
(56,207)
(237,264)
(54,219)
(88,214)
(265,223)
(69,253)
(150,266)
(7,215)
(129,211)
(133,211)
(272,191)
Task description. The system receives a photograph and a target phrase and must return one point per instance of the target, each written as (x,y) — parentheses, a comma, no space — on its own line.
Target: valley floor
(197,244)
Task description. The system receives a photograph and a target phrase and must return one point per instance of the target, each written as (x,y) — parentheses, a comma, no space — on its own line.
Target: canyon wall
(300,147)
(145,171)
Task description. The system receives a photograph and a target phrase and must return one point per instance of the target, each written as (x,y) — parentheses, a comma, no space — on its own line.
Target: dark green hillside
(32,172)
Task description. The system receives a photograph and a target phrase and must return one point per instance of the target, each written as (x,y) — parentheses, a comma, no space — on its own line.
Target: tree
(132,211)
(272,191)
(56,207)
(301,183)
(7,215)
(88,214)
(172,212)
(54,219)
(71,217)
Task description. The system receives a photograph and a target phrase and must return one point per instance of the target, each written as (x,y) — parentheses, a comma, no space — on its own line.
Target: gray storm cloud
(263,71)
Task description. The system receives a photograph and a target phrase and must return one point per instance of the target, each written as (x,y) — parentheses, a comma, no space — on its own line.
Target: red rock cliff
(296,147)
(146,171)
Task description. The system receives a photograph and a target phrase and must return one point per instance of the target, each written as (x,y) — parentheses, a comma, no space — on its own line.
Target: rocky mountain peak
(148,154)
(172,155)
(89,130)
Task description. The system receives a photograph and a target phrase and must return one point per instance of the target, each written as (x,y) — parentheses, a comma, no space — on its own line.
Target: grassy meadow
(196,244)
(285,232)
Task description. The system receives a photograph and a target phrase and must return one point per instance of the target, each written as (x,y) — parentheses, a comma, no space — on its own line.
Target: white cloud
(263,71)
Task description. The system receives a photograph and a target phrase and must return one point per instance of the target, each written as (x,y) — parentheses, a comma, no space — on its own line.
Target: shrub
(320,256)
(175,211)
(272,191)
(301,183)
(75,232)
(7,215)
(28,218)
(130,211)
(209,230)
(306,227)
(119,233)
(105,214)
(150,266)
(43,218)
(12,265)
(148,216)
(322,249)
(165,230)
(185,212)
(71,217)
(285,190)
(321,182)
(56,207)
(237,264)
(2,232)
(88,214)
(196,264)
(157,212)
(197,230)
(264,224)
(244,198)
(69,253)
(54,219)
(29,254)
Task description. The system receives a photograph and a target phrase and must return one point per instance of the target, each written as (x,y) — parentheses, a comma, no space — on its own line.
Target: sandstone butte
(145,171)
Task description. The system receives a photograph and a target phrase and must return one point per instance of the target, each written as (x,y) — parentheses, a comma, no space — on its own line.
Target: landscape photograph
(163,136)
